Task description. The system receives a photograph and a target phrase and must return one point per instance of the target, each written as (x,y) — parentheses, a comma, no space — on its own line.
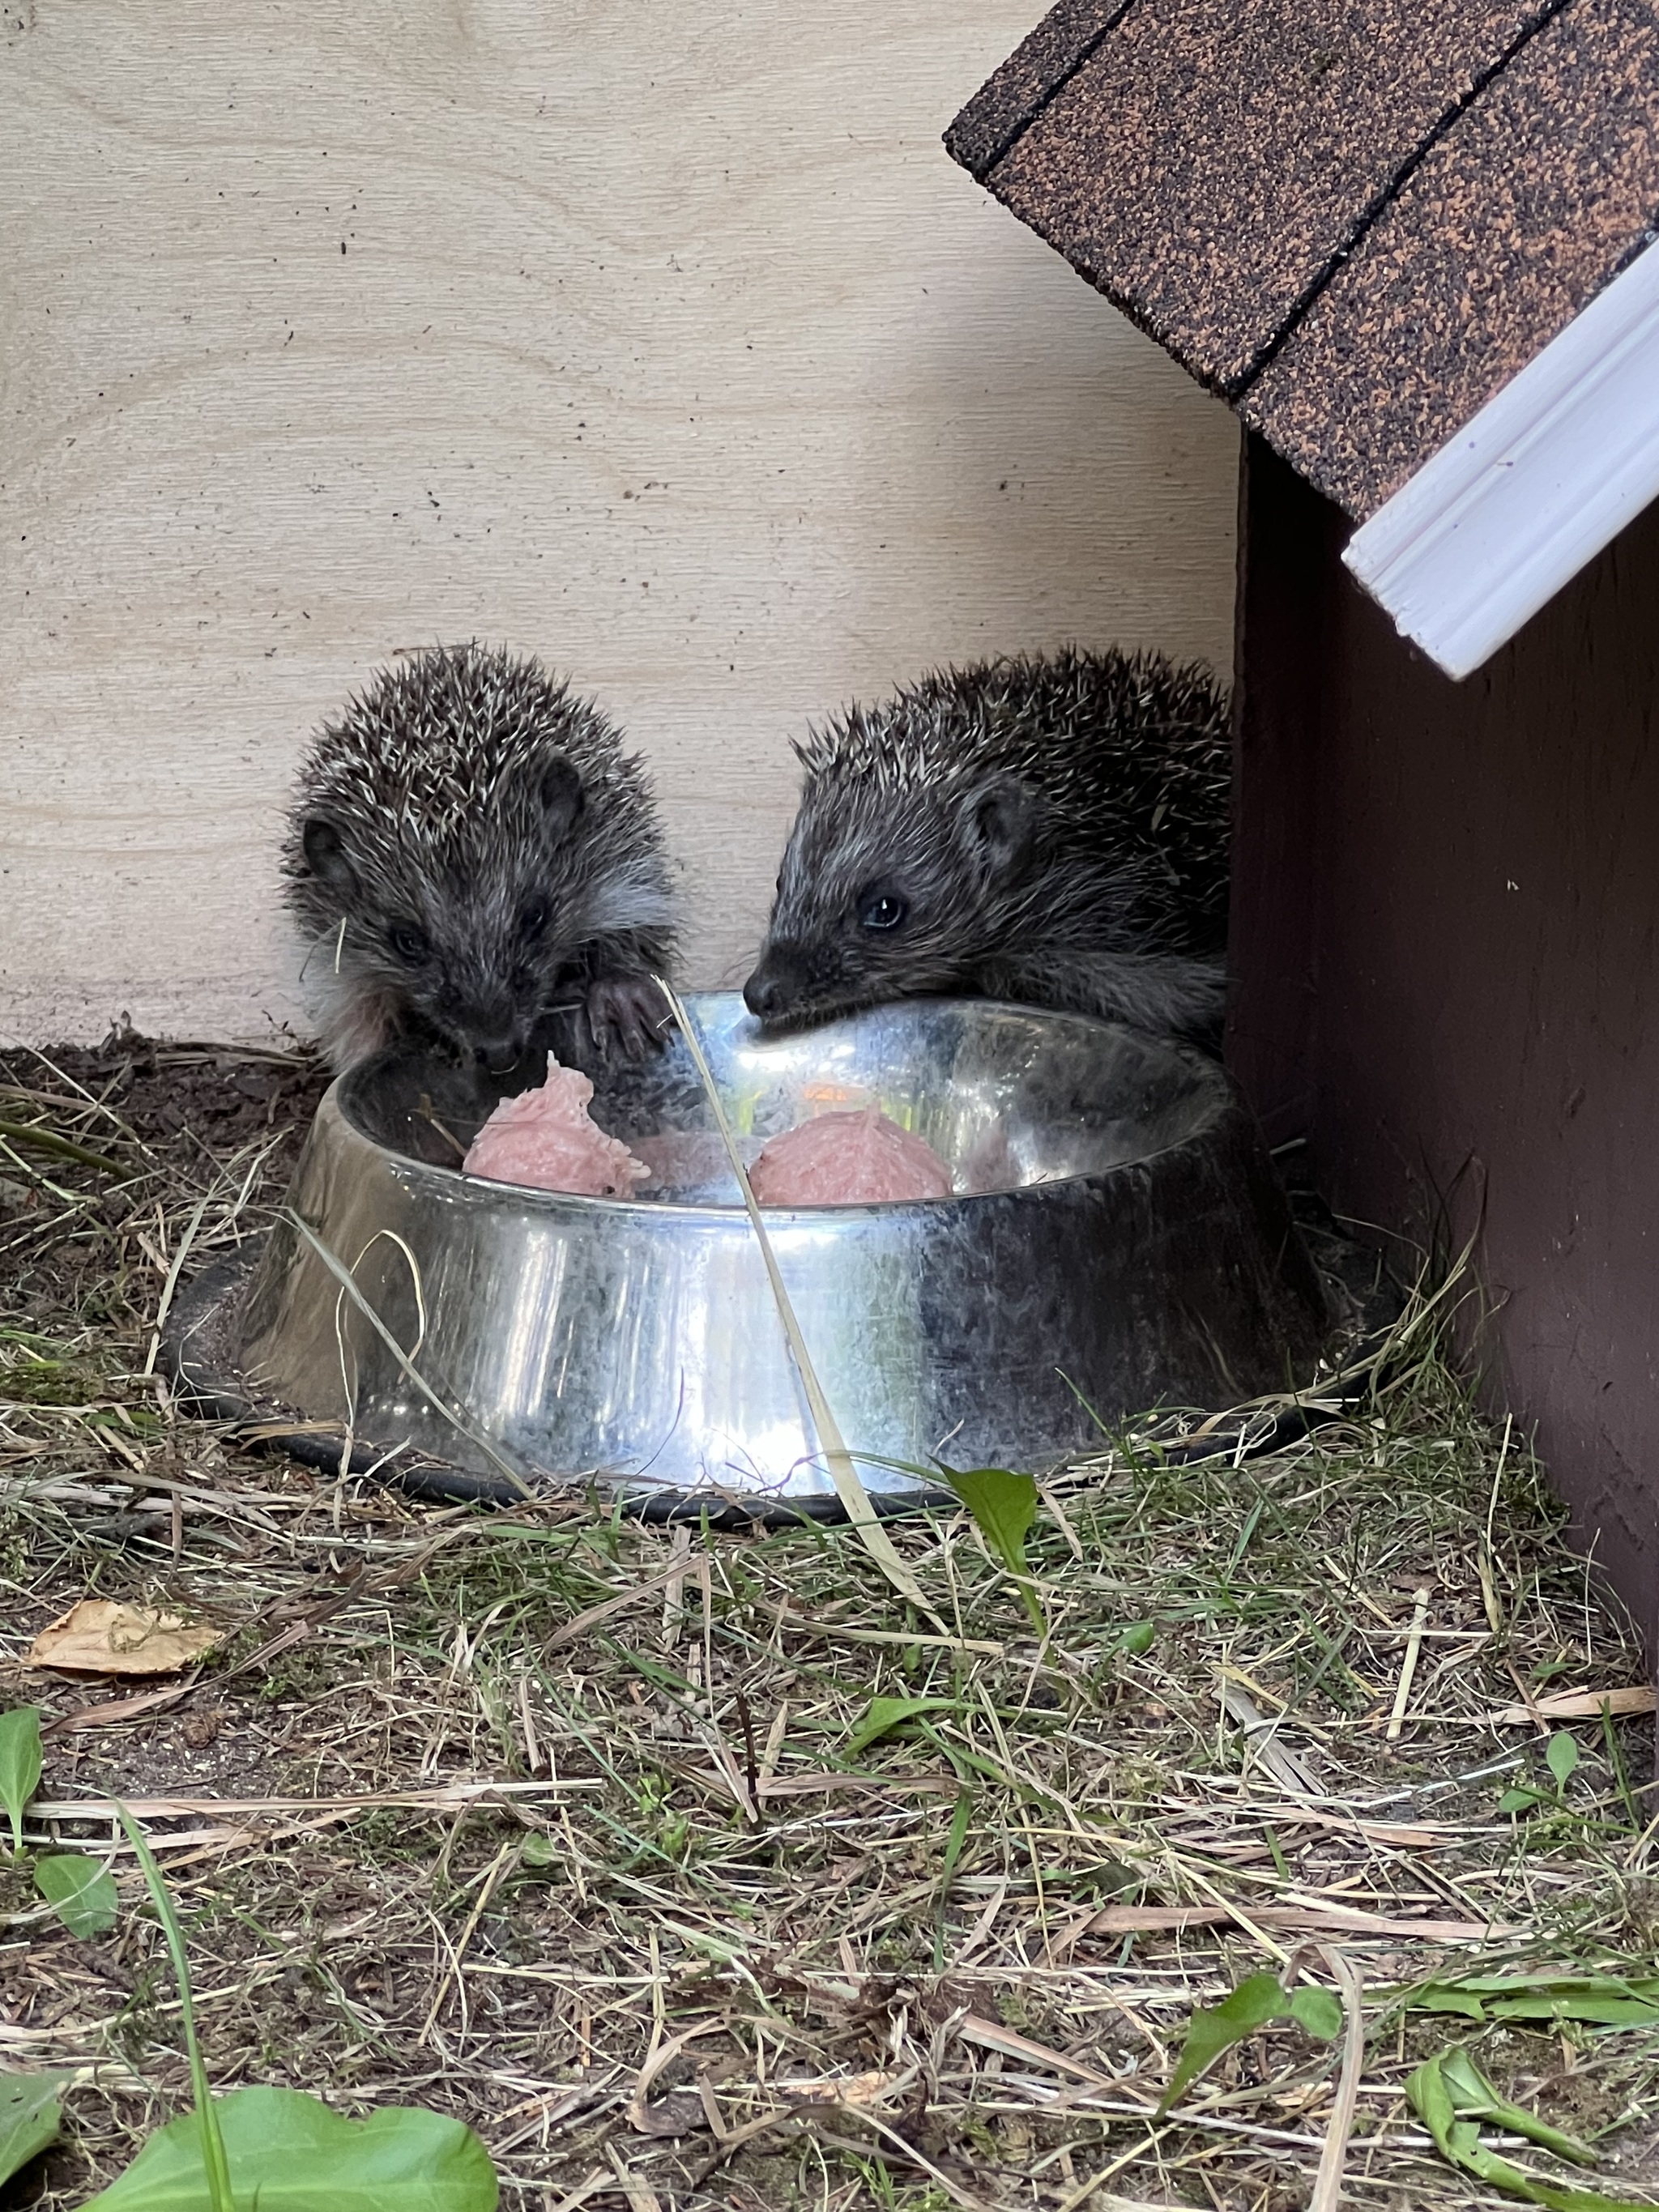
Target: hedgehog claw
(620,1014)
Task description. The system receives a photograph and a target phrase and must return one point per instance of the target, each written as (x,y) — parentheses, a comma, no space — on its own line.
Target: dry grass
(560,1824)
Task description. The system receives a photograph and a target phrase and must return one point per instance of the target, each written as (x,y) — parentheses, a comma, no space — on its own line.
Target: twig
(599,2179)
(639,2192)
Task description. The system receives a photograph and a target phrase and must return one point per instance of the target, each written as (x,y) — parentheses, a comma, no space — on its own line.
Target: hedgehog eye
(533,922)
(412,947)
(882,910)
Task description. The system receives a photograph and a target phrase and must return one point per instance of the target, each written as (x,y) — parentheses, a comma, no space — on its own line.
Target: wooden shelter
(1409,245)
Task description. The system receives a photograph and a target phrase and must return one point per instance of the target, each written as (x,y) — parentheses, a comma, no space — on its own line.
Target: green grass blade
(884,1714)
(48,1140)
(213,2160)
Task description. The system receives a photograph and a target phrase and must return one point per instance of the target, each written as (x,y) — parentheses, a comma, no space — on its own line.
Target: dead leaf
(97,1637)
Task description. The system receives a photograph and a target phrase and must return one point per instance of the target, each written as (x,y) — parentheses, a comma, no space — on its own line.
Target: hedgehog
(477,865)
(1047,830)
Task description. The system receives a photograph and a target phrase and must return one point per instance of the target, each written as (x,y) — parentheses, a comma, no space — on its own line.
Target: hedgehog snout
(778,984)
(493,1028)
(499,1037)
(501,1055)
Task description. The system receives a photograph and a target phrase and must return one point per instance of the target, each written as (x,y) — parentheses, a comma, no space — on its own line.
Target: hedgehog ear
(1002,816)
(562,796)
(325,856)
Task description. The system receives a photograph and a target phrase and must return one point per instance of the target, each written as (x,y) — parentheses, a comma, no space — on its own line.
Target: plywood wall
(663,340)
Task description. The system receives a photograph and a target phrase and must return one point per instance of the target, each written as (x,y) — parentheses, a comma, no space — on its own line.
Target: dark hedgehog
(477,863)
(1051,831)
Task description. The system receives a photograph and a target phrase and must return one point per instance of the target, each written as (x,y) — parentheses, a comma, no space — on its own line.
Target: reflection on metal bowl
(1120,1243)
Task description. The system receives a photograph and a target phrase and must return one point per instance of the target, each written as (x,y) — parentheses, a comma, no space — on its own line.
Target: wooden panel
(1445,973)
(667,342)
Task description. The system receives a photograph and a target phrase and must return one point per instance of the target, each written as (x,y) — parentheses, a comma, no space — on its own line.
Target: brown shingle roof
(1354,218)
(1513,222)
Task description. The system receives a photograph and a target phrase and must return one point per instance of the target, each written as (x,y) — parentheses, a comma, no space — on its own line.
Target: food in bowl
(849,1158)
(546,1138)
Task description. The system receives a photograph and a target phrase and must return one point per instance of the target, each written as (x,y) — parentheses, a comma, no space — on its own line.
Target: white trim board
(1532,487)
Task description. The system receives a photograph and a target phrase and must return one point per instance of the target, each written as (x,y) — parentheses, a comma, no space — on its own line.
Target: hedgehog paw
(626,1016)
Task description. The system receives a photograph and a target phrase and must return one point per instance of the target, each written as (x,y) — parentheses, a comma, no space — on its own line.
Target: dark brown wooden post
(1446,947)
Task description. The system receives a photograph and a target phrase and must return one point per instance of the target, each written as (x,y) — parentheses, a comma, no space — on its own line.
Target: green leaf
(1429,2097)
(29,2118)
(1316,2011)
(19,1765)
(1475,2098)
(80,1892)
(1255,2003)
(883,1714)
(962,1818)
(1589,2011)
(1138,1638)
(1593,2000)
(1561,1756)
(289,2153)
(1448,2086)
(1004,1505)
(1519,1800)
(1216,2028)
(1448,1998)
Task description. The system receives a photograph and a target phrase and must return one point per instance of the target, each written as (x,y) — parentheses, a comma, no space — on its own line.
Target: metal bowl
(1121,1243)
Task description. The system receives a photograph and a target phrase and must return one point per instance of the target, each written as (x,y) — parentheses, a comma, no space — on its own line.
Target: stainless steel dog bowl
(1145,1258)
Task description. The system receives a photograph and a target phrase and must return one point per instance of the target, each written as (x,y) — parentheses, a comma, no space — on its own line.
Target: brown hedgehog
(478,864)
(1051,831)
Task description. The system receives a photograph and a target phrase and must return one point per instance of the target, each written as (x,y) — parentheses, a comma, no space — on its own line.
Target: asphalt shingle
(1355,219)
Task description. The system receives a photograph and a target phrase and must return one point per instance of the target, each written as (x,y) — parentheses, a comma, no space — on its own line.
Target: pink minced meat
(546,1138)
(849,1158)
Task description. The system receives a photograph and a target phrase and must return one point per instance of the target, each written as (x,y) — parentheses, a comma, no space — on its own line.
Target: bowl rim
(540,1199)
